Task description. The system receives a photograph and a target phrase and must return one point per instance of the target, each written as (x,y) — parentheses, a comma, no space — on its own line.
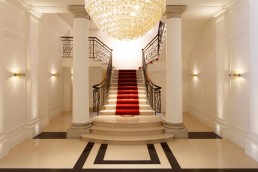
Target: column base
(178,129)
(75,130)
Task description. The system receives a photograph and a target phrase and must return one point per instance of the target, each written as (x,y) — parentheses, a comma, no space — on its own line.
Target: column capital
(78,11)
(174,11)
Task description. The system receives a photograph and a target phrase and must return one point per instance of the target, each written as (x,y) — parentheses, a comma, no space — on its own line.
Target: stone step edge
(120,129)
(104,139)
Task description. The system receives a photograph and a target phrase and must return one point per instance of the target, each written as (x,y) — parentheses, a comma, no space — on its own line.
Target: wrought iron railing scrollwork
(97,49)
(150,53)
(100,91)
(67,46)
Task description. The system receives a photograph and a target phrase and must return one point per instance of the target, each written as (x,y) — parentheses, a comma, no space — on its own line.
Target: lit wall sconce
(18,74)
(55,74)
(193,74)
(235,75)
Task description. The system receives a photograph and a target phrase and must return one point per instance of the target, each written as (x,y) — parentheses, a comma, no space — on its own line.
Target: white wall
(13,59)
(202,89)
(215,98)
(56,28)
(18,95)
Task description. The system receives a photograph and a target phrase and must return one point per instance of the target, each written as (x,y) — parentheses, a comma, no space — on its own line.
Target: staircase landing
(113,129)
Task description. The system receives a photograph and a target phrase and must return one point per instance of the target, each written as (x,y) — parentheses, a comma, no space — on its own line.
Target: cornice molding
(174,11)
(78,11)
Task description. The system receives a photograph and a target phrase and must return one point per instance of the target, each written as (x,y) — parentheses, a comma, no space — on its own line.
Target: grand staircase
(127,118)
(127,94)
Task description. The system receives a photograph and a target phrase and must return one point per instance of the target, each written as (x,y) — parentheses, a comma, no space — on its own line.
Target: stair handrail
(150,53)
(101,90)
(154,48)
(97,49)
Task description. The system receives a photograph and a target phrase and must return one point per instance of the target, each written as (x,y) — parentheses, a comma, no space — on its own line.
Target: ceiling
(196,15)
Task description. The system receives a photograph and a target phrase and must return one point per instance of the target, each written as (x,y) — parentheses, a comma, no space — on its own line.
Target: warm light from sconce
(18,74)
(235,75)
(193,74)
(55,74)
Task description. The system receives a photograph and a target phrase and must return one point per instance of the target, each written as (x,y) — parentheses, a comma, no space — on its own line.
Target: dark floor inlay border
(203,135)
(154,159)
(82,159)
(51,135)
(170,156)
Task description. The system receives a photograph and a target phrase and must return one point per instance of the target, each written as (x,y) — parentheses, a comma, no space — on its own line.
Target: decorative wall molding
(238,135)
(251,147)
(33,128)
(4,146)
(222,128)
(16,135)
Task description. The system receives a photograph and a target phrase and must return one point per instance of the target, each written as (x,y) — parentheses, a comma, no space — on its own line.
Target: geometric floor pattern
(203,151)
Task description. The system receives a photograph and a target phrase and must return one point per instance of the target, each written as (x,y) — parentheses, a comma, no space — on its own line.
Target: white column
(251,147)
(174,108)
(32,76)
(81,120)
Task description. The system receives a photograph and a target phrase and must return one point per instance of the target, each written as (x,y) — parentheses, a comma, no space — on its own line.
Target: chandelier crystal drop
(125,19)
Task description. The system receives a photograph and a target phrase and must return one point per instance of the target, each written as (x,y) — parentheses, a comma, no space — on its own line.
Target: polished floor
(51,151)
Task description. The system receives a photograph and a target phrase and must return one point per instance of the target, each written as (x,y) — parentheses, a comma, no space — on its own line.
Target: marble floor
(52,152)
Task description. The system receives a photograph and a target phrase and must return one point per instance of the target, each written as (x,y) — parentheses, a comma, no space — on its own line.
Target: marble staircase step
(123,139)
(141,101)
(113,112)
(141,107)
(127,131)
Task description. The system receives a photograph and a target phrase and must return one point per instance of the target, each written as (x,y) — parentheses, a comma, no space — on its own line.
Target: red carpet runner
(127,93)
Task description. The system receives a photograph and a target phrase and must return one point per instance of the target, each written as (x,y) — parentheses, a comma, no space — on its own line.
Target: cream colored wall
(13,59)
(26,103)
(213,97)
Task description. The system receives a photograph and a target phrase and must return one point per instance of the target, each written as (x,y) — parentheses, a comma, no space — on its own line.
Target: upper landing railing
(97,49)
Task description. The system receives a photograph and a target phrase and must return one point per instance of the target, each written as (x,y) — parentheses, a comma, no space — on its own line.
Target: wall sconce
(55,74)
(193,74)
(234,75)
(18,74)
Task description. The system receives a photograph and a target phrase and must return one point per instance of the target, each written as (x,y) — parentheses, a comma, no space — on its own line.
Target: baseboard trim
(4,146)
(251,148)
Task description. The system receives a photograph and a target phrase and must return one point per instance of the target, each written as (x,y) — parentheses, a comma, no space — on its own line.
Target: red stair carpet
(127,93)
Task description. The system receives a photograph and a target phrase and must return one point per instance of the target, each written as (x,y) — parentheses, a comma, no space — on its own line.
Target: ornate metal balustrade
(152,51)
(149,54)
(97,49)
(67,46)
(100,91)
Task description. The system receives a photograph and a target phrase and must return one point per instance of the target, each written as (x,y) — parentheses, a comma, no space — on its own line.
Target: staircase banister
(102,43)
(150,43)
(148,79)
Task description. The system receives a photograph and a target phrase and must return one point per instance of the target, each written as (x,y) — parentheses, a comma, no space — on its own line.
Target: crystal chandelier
(125,19)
